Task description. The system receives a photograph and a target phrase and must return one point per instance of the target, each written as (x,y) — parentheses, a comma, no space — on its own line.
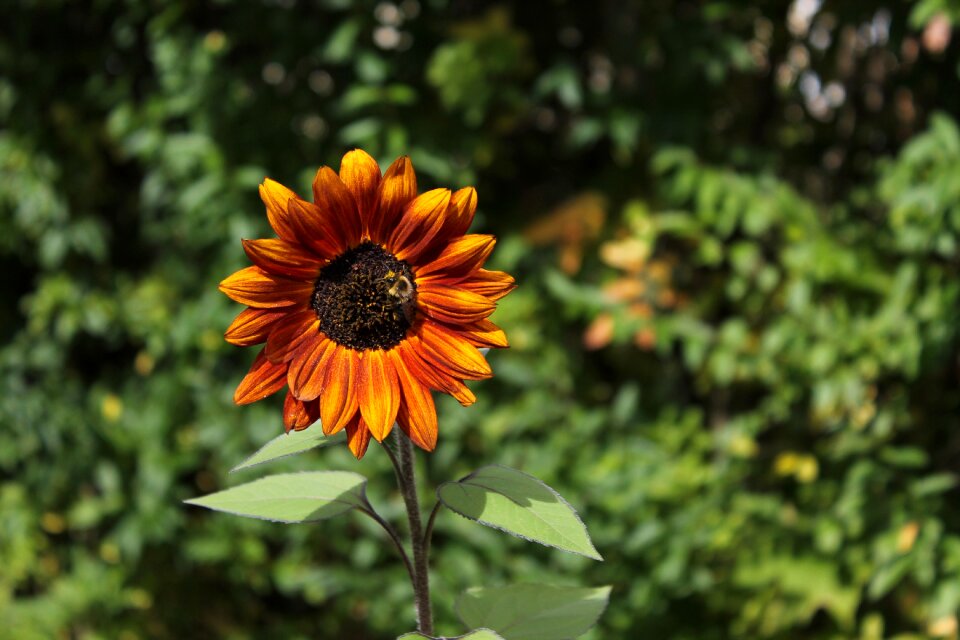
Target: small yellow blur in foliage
(110,553)
(140,598)
(112,407)
(53,522)
(215,41)
(943,627)
(803,467)
(144,363)
(907,536)
(743,446)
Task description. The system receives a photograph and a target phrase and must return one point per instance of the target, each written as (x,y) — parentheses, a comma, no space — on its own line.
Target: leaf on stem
(291,497)
(521,505)
(289,444)
(533,612)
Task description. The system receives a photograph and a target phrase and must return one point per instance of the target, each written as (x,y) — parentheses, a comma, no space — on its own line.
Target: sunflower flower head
(370,297)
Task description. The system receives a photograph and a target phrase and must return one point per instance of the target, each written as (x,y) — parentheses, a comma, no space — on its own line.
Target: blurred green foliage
(760,425)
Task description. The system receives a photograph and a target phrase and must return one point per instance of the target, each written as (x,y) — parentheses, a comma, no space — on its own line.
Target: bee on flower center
(403,291)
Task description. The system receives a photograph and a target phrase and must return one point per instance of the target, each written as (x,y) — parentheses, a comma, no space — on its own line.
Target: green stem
(407,481)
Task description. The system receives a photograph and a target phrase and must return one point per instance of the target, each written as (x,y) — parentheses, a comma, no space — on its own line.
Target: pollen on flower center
(365,298)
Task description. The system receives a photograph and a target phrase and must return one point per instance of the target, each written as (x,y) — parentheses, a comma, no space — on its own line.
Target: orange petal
(491,284)
(283,258)
(263,379)
(420,223)
(361,174)
(461,256)
(256,288)
(431,376)
(299,415)
(398,187)
(316,228)
(450,304)
(338,399)
(484,334)
(252,326)
(378,392)
(290,334)
(463,205)
(417,415)
(445,349)
(275,196)
(358,436)
(307,366)
(338,204)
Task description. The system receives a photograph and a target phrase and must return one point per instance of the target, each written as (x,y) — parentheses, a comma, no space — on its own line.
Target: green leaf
(289,444)
(533,612)
(519,504)
(291,497)
(479,634)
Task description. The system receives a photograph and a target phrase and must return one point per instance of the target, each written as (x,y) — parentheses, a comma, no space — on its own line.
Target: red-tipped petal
(453,305)
(462,256)
(252,326)
(335,200)
(283,258)
(420,223)
(256,288)
(290,333)
(263,379)
(484,334)
(378,392)
(417,415)
(361,174)
(491,284)
(358,436)
(316,229)
(430,375)
(398,187)
(447,350)
(307,366)
(299,415)
(339,398)
(275,197)
(463,206)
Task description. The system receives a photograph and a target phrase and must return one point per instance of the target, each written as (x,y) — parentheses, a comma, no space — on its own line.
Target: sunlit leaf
(289,444)
(521,505)
(291,497)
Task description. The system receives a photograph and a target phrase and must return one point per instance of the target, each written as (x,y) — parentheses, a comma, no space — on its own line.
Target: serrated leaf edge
(363,494)
(325,442)
(576,515)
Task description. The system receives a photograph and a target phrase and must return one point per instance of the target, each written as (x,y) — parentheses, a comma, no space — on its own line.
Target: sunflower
(369,298)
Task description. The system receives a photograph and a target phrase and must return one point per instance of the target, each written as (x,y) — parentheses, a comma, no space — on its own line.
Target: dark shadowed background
(735,342)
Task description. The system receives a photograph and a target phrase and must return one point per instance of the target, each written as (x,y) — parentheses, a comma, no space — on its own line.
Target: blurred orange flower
(643,286)
(569,226)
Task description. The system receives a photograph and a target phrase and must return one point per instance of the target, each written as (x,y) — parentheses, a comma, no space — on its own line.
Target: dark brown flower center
(365,298)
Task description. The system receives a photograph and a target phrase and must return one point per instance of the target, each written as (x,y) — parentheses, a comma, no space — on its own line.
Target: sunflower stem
(406,478)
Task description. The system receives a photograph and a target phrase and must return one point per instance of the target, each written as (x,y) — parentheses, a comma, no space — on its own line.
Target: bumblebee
(403,291)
